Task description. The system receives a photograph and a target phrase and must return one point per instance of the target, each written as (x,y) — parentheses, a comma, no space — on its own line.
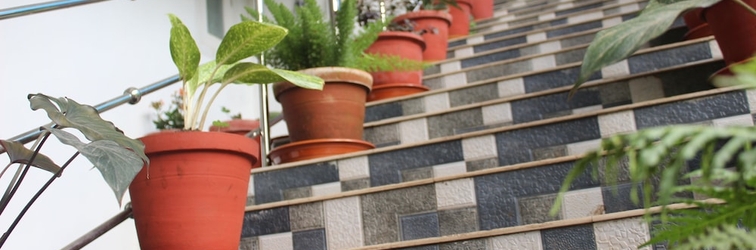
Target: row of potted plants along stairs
(476,162)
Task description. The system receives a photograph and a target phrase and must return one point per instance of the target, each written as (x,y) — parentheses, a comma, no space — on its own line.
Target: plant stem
(205,87)
(18,172)
(6,199)
(210,102)
(746,6)
(33,199)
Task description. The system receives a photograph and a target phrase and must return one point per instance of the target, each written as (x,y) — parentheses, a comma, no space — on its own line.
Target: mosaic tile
(615,94)
(433,83)
(536,108)
(382,111)
(282,241)
(688,79)
(432,70)
(530,50)
(309,240)
(419,226)
(385,167)
(355,184)
(582,203)
(413,106)
(500,44)
(577,40)
(511,87)
(344,223)
(479,147)
(548,152)
(588,16)
(457,221)
(579,237)
(383,135)
(455,193)
(353,168)
(570,56)
(494,71)
(666,58)
(457,43)
(696,110)
(477,94)
(578,9)
(413,131)
(523,21)
(489,58)
(535,209)
(449,169)
(519,241)
(416,174)
(437,102)
(622,234)
(380,211)
(306,216)
(514,146)
(552,79)
(616,123)
(475,244)
(617,198)
(268,221)
(508,32)
(249,243)
(270,185)
(573,29)
(326,189)
(447,124)
(481,164)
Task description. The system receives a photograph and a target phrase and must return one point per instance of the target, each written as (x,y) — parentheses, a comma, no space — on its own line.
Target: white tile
(547,16)
(629,8)
(450,66)
(583,147)
(436,102)
(739,120)
(582,203)
(511,87)
(454,80)
(585,17)
(449,169)
(616,123)
(251,187)
(413,131)
(455,193)
(645,89)
(480,147)
(536,37)
(464,52)
(507,18)
(282,241)
(353,168)
(587,109)
(543,62)
(617,69)
(626,1)
(751,96)
(475,40)
(716,52)
(549,47)
(564,6)
(500,26)
(497,113)
(528,240)
(501,12)
(606,23)
(326,189)
(621,234)
(343,220)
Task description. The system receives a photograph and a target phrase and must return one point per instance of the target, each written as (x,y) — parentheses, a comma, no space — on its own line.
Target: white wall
(90,53)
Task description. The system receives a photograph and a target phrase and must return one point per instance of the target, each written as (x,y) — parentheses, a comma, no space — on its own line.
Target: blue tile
(516,146)
(419,226)
(450,123)
(689,79)
(537,108)
(574,29)
(690,111)
(554,79)
(508,32)
(269,185)
(497,194)
(263,222)
(578,9)
(629,16)
(383,111)
(667,58)
(457,43)
(500,44)
(617,198)
(309,240)
(558,22)
(489,58)
(385,167)
(513,10)
(580,237)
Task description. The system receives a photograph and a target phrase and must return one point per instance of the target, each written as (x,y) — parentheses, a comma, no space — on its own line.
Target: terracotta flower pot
(436,40)
(195,193)
(460,25)
(482,9)
(336,112)
(311,149)
(734,29)
(240,127)
(697,27)
(405,45)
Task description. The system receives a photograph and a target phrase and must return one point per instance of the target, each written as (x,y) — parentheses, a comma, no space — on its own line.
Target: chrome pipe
(264,108)
(101,229)
(42,7)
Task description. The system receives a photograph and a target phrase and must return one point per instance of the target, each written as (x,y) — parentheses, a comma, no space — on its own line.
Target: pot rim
(155,143)
(403,35)
(443,15)
(330,74)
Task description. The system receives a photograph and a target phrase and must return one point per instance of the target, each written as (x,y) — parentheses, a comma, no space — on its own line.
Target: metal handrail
(42,7)
(101,229)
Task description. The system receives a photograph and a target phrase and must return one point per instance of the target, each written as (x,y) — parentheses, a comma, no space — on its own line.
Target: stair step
(433,189)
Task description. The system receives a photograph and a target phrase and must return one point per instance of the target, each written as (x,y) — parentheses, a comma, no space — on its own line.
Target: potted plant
(731,21)
(697,27)
(193,194)
(482,9)
(328,122)
(431,17)
(116,156)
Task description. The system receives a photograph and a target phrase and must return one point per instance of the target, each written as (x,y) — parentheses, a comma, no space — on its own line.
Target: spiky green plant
(657,166)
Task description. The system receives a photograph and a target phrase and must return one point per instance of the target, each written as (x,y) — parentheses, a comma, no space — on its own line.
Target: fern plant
(657,168)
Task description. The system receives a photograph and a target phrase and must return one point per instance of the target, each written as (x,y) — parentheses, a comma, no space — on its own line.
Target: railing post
(264,109)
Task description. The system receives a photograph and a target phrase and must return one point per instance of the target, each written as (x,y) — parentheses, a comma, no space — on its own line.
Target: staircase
(476,162)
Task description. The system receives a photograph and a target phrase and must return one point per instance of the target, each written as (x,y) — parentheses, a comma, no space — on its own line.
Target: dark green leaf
(20,154)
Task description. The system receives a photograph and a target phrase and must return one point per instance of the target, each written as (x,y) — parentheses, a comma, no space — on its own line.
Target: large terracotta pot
(193,193)
(240,127)
(460,25)
(697,27)
(734,29)
(482,9)
(405,45)
(437,39)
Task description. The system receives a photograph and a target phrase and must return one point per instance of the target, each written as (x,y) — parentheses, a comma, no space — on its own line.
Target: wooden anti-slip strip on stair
(549,24)
(515,12)
(535,81)
(492,148)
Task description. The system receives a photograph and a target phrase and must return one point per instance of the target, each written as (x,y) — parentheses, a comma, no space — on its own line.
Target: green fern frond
(723,237)
(380,62)
(345,22)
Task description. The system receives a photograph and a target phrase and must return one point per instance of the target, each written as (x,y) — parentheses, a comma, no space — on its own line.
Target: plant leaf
(253,73)
(20,154)
(184,50)
(246,39)
(86,119)
(619,42)
(117,165)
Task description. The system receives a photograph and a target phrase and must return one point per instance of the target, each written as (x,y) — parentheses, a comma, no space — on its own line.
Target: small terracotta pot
(734,29)
(437,41)
(697,27)
(460,25)
(240,127)
(196,190)
(393,90)
(311,149)
(336,112)
(482,9)
(405,45)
